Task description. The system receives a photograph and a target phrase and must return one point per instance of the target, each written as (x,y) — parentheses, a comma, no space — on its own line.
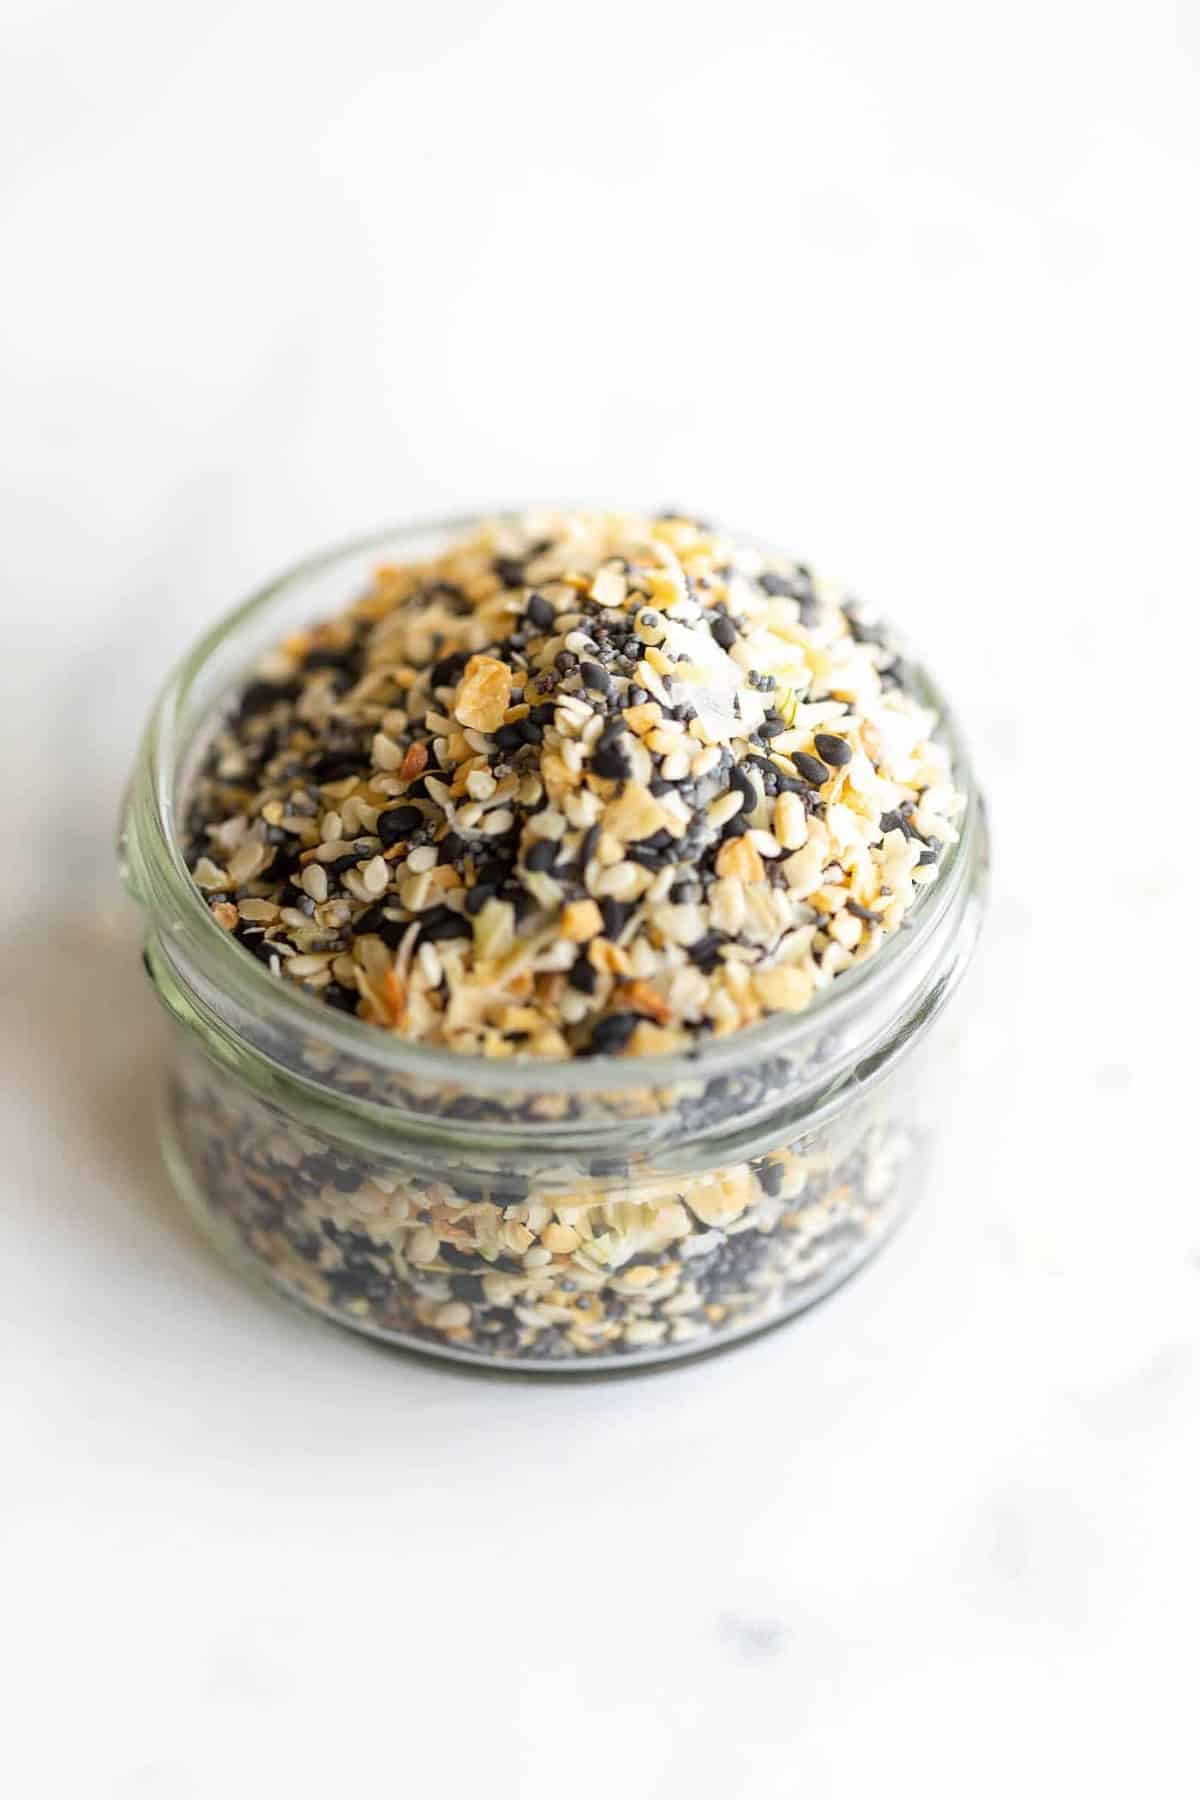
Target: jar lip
(173,898)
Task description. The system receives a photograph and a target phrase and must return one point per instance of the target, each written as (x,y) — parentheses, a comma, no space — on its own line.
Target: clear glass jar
(537,1215)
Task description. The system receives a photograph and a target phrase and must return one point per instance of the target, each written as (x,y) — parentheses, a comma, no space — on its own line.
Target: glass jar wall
(549,1216)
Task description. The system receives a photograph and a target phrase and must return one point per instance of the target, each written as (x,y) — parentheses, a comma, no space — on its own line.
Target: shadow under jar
(548,1216)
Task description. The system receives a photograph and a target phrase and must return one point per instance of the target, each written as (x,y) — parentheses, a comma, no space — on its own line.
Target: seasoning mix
(594,802)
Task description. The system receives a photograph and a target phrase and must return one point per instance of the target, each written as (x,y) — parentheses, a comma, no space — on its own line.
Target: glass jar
(537,1215)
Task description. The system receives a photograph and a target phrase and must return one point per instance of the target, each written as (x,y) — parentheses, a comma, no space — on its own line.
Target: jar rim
(159,878)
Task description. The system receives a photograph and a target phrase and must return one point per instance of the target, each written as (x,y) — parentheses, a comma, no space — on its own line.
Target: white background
(911,288)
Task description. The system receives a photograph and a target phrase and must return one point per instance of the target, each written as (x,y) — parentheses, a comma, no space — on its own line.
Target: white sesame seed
(247,862)
(302,966)
(422,1245)
(384,753)
(727,905)
(258,911)
(724,808)
(430,964)
(547,824)
(621,882)
(661,886)
(315,882)
(415,892)
(582,808)
(480,784)
(374,875)
(209,877)
(790,822)
(680,924)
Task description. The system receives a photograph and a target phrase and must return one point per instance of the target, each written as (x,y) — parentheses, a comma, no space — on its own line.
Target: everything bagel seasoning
(578,791)
(584,784)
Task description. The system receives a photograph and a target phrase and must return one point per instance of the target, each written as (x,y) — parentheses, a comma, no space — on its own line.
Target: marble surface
(913,290)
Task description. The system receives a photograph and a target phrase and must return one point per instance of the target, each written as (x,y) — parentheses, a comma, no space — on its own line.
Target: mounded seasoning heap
(587,783)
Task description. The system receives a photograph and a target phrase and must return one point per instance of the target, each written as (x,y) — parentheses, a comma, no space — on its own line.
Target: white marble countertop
(914,292)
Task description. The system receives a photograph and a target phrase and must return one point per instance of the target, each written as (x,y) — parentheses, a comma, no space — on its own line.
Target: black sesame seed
(767,769)
(450,1253)
(740,783)
(811,769)
(440,923)
(466,1287)
(596,678)
(611,1033)
(347,661)
(511,570)
(614,914)
(610,761)
(260,696)
(583,976)
(787,784)
(770,1177)
(833,750)
(479,896)
(341,998)
(543,856)
(396,823)
(540,613)
(706,952)
(724,631)
(346,1285)
(335,767)
(446,672)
